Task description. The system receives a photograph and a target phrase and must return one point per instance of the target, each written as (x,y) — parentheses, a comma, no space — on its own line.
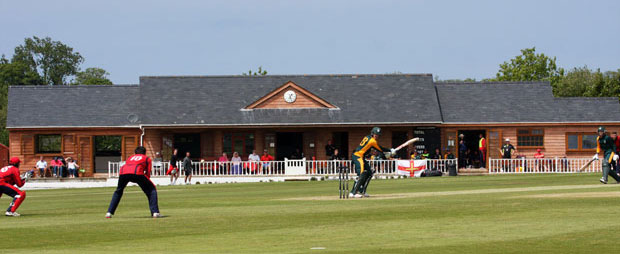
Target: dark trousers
(17,195)
(147,187)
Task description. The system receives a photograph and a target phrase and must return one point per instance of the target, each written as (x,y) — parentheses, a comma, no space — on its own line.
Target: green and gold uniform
(607,145)
(362,168)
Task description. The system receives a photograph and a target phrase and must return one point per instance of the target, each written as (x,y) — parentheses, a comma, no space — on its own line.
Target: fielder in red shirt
(9,176)
(137,169)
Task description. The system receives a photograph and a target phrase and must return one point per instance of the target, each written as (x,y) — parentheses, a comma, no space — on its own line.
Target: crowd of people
(57,167)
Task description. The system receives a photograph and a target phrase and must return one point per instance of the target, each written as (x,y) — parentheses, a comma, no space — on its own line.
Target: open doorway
(107,149)
(473,156)
(341,142)
(189,142)
(289,145)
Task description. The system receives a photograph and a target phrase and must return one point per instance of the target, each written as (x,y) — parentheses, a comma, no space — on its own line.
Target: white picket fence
(281,168)
(546,165)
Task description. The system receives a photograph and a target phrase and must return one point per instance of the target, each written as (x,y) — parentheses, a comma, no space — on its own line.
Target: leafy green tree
(260,72)
(582,81)
(52,60)
(92,76)
(12,74)
(530,66)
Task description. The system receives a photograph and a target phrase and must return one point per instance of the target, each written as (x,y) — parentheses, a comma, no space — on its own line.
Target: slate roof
(360,99)
(520,102)
(88,106)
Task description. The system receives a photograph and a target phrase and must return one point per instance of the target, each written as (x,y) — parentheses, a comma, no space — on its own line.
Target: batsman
(362,168)
(607,145)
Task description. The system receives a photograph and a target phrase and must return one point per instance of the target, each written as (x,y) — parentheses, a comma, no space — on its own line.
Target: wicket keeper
(362,168)
(9,176)
(608,146)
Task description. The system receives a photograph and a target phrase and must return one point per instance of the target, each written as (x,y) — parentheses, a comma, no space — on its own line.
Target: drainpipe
(142,135)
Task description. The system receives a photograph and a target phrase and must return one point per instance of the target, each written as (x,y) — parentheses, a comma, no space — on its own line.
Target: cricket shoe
(366,195)
(358,196)
(108,215)
(603,181)
(14,214)
(157,215)
(351,195)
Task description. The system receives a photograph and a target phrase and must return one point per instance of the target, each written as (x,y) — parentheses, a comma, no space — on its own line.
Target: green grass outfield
(570,213)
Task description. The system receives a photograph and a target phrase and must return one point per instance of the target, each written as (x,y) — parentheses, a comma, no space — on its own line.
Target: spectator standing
(462,154)
(73,166)
(173,170)
(482,146)
(188,168)
(266,158)
(507,150)
(157,163)
(42,166)
(236,163)
(253,161)
(223,163)
(329,148)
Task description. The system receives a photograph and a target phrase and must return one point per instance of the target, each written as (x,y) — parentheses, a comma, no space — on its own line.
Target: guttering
(141,135)
(70,127)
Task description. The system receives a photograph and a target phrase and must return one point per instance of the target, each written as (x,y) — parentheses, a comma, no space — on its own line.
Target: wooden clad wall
(75,143)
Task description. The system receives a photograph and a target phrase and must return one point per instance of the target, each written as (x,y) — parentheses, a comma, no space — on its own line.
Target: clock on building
(290,96)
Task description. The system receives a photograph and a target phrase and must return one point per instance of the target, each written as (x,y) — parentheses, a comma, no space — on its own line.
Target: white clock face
(290,96)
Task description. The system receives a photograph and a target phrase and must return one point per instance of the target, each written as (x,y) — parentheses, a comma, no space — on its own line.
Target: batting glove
(393,151)
(616,157)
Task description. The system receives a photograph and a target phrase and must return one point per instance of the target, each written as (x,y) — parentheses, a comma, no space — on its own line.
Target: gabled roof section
(304,99)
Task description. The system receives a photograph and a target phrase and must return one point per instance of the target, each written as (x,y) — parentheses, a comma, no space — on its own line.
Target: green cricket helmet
(601,129)
(375,131)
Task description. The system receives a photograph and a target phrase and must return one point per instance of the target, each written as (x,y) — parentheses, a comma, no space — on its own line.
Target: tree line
(575,82)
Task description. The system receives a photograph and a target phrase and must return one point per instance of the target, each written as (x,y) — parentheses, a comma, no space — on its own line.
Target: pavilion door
(85,154)
(495,143)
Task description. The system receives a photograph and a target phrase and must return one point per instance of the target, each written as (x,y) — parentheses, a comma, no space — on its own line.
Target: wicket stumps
(343,186)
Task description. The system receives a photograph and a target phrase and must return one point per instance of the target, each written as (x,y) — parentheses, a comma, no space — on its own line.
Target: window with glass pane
(588,142)
(573,142)
(49,143)
(530,138)
(227,144)
(581,142)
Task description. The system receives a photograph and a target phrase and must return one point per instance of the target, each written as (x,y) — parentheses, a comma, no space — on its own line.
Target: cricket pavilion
(209,115)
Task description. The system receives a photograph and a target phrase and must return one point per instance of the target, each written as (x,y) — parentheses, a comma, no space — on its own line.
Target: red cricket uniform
(138,164)
(137,169)
(9,176)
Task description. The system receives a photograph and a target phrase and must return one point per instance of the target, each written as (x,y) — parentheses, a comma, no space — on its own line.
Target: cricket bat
(587,165)
(407,143)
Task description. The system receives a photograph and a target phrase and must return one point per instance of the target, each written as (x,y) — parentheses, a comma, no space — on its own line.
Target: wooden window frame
(36,145)
(579,141)
(531,135)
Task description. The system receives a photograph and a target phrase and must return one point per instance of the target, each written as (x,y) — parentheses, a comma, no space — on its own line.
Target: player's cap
(601,129)
(507,140)
(376,131)
(14,160)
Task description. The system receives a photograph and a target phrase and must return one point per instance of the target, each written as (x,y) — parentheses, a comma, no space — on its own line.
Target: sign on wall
(430,139)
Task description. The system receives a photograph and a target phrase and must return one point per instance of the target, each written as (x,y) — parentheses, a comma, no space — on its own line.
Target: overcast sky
(450,39)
